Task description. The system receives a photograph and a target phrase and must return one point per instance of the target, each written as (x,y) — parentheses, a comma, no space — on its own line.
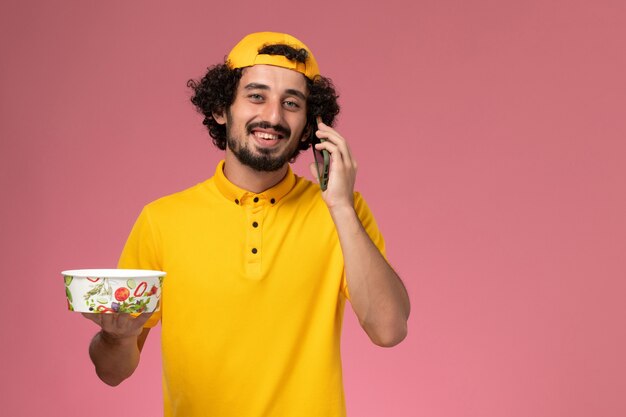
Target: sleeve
(142,251)
(371,227)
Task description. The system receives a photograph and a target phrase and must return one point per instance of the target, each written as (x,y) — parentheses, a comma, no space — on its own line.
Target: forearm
(115,359)
(377,294)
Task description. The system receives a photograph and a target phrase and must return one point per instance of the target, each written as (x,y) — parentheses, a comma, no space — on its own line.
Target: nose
(272,112)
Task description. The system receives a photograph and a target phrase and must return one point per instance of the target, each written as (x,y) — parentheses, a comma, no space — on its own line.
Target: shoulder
(308,193)
(360,205)
(195,195)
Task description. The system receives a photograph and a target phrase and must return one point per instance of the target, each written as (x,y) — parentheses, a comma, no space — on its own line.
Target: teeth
(264,135)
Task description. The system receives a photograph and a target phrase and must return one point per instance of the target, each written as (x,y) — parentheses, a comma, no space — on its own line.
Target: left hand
(343,167)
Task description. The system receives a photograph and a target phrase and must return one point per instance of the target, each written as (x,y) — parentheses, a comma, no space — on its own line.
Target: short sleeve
(369,224)
(142,251)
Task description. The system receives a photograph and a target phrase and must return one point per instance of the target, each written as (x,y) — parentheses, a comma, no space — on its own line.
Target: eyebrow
(296,93)
(290,91)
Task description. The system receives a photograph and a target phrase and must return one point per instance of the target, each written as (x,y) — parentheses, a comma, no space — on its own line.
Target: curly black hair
(215,93)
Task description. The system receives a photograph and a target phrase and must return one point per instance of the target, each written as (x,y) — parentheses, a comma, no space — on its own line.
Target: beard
(265,160)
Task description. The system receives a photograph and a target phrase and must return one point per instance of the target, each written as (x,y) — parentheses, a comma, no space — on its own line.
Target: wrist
(342,212)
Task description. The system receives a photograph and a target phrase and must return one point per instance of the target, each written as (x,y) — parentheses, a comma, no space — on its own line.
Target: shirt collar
(240,196)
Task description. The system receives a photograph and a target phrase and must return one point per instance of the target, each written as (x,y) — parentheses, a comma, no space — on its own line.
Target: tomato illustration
(105,309)
(121,294)
(153,290)
(141,288)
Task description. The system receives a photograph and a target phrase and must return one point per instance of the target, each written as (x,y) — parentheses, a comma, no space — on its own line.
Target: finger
(336,156)
(109,322)
(95,317)
(121,325)
(334,137)
(346,150)
(141,319)
(125,323)
(329,134)
(341,144)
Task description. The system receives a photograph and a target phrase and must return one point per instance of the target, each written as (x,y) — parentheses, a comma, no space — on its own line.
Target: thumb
(313,168)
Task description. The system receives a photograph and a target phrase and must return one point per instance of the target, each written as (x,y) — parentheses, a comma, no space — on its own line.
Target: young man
(259,261)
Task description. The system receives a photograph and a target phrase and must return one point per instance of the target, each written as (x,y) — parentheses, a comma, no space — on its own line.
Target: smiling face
(267,119)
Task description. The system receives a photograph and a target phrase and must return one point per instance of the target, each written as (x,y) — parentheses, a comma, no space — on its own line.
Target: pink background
(491,140)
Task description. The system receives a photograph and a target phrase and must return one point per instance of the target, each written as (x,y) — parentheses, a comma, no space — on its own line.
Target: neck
(249,179)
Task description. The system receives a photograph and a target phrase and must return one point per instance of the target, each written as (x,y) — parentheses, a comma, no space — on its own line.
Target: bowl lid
(113,273)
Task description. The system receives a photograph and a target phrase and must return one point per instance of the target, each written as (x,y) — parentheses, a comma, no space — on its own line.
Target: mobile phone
(322,163)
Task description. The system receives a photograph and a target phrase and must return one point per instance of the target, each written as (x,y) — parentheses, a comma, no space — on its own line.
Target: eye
(290,104)
(255,97)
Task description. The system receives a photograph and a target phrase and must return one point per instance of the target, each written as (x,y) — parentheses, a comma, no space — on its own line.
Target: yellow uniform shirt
(253,300)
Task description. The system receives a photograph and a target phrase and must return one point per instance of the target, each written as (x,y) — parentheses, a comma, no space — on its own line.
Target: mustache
(266,125)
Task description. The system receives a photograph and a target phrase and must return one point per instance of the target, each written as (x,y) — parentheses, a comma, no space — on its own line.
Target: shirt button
(254,250)
(236,201)
(273,200)
(256,199)
(255,224)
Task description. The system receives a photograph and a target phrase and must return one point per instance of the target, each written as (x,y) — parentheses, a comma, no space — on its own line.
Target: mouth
(266,135)
(266,139)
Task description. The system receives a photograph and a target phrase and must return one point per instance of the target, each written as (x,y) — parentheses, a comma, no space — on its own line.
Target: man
(259,261)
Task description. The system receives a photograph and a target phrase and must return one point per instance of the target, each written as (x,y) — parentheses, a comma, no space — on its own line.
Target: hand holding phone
(322,161)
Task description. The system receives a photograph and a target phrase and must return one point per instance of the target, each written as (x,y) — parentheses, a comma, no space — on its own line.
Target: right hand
(119,325)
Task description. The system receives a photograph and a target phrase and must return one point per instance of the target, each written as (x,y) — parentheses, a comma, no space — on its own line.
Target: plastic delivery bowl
(113,290)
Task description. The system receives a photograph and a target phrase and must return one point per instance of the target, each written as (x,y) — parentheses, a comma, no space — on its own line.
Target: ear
(219,117)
